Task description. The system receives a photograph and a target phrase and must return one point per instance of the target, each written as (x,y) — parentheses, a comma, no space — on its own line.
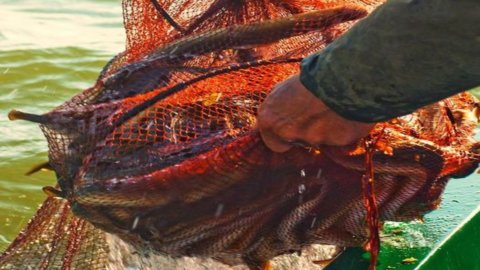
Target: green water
(51,50)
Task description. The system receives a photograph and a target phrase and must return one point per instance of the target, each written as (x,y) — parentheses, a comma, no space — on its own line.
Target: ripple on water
(34,81)
(60,23)
(49,51)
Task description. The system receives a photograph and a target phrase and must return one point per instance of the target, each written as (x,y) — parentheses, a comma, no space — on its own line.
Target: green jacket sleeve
(406,54)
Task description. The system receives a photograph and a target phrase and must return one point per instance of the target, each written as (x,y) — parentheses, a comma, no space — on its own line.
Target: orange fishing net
(163,151)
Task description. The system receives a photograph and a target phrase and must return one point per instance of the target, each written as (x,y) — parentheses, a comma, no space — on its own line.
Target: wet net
(163,153)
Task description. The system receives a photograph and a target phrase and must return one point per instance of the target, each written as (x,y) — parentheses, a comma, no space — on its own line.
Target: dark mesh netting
(163,153)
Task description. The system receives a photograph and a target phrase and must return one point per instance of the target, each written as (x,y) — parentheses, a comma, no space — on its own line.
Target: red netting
(163,150)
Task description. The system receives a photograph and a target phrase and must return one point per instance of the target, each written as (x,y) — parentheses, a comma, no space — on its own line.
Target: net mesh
(163,151)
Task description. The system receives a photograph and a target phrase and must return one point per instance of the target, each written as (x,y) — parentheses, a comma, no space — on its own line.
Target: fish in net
(163,151)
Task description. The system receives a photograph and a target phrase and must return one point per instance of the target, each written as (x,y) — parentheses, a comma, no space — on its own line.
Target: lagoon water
(49,51)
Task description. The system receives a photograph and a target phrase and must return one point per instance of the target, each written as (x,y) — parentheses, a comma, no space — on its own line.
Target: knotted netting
(163,150)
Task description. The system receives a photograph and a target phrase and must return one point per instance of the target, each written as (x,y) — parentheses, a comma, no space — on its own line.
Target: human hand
(293,115)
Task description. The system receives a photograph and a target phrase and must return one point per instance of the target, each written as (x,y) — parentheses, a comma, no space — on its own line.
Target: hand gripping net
(163,151)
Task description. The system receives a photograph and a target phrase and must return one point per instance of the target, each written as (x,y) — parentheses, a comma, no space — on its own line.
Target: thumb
(275,143)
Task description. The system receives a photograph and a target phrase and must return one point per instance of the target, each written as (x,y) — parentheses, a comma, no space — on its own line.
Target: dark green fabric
(403,56)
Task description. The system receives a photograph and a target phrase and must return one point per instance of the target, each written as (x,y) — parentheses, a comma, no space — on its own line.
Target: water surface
(49,51)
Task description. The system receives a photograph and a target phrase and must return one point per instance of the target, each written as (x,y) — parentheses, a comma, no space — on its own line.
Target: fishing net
(163,153)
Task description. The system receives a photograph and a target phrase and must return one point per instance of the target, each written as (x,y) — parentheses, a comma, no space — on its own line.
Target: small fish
(409,260)
(40,167)
(53,192)
(325,263)
(322,263)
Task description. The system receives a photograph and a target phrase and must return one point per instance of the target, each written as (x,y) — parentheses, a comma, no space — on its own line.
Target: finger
(275,143)
(347,134)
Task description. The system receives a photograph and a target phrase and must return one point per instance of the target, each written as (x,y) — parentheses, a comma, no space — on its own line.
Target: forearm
(405,55)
